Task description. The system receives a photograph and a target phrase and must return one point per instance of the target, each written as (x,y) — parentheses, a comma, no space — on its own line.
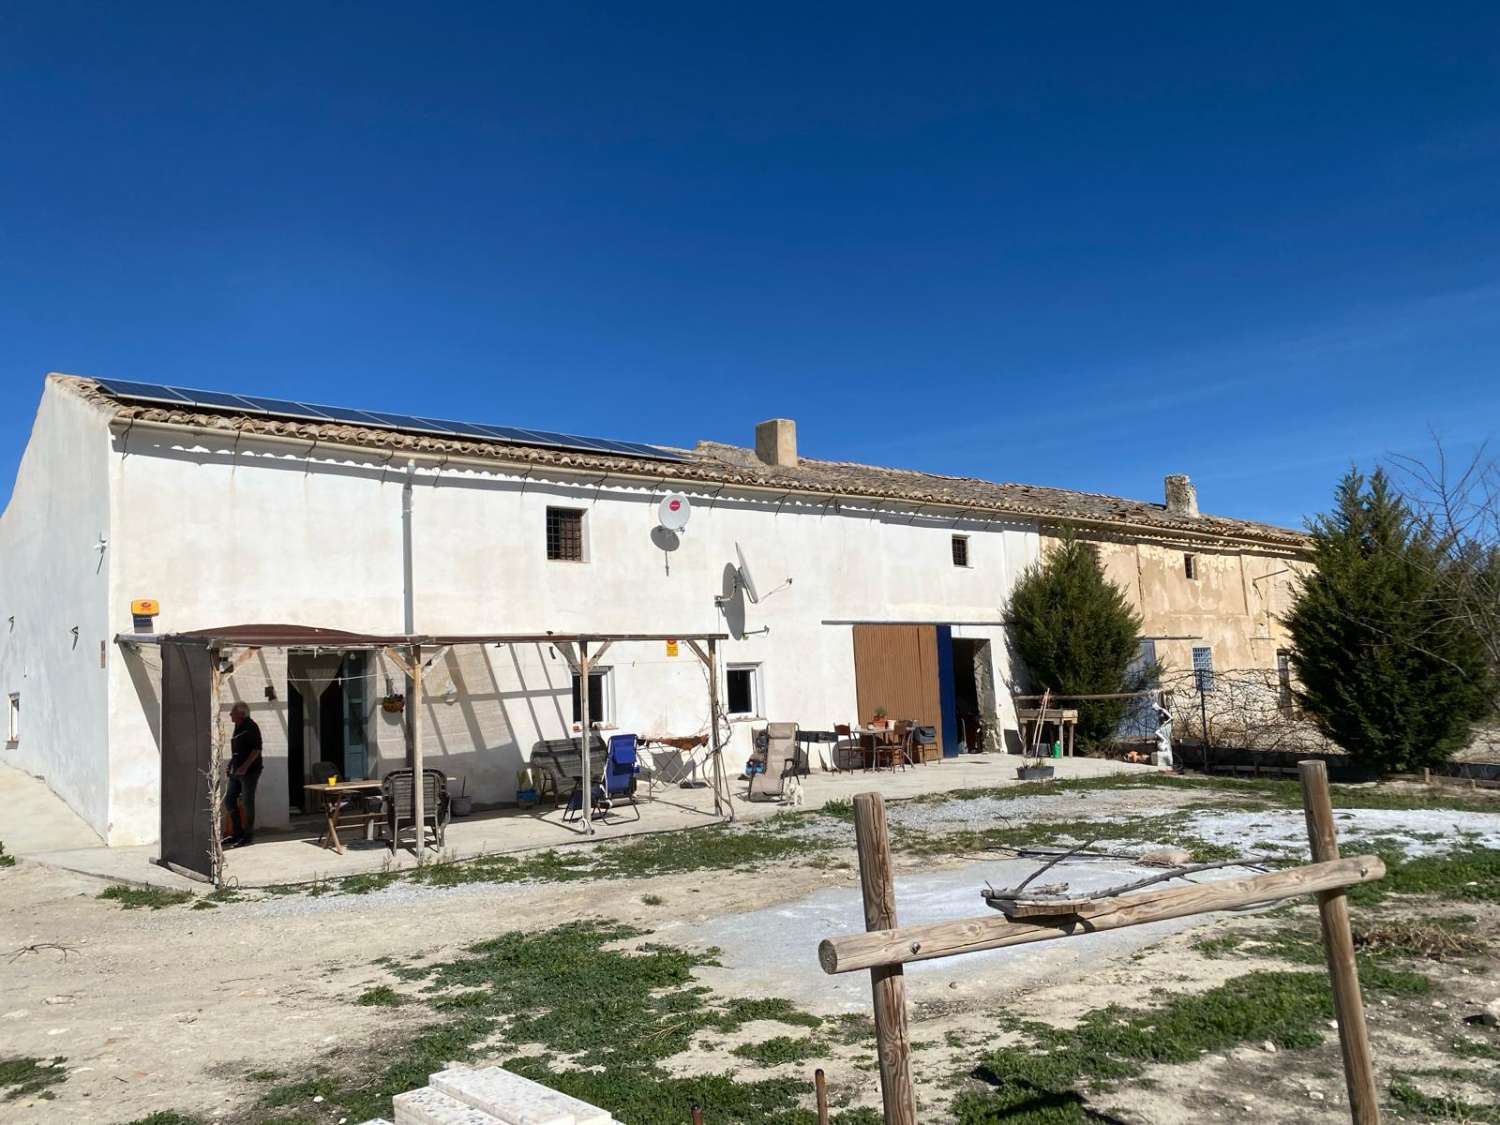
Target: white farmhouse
(877,587)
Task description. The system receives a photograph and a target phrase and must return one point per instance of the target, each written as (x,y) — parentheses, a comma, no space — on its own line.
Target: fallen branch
(37,947)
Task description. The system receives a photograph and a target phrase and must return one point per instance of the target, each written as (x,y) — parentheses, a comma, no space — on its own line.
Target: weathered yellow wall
(1234,605)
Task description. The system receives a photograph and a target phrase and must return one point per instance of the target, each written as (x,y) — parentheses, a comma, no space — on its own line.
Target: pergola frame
(228,648)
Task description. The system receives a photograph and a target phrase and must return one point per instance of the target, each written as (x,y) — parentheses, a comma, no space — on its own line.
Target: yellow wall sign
(145,607)
(671,648)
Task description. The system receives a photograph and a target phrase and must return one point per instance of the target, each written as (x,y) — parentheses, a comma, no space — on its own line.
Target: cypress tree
(1076,634)
(1386,670)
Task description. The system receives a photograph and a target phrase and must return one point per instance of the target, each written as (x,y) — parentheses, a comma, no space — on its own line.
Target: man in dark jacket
(244,774)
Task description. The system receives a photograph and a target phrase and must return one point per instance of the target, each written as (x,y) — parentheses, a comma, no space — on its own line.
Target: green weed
(144,898)
(22,1077)
(381,996)
(779,1050)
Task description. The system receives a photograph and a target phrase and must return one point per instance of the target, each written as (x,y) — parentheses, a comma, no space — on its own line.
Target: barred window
(565,534)
(1190,565)
(960,550)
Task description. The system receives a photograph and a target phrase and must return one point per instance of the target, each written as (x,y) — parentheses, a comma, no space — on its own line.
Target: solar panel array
(303,411)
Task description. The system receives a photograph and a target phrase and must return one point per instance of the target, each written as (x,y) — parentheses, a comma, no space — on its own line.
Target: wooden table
(332,798)
(1065,719)
(881,738)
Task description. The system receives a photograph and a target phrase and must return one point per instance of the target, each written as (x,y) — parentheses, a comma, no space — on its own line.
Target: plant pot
(461,806)
(1036,773)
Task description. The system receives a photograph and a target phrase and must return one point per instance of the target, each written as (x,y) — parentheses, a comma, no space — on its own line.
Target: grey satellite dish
(673,511)
(747,583)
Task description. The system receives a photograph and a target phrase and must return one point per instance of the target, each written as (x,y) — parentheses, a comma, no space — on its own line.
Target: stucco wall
(53,579)
(1234,604)
(225,533)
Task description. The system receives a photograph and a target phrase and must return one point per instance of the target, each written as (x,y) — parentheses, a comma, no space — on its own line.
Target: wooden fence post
(888,982)
(820,1087)
(1338,947)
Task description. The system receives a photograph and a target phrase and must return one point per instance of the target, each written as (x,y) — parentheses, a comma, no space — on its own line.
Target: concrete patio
(297,857)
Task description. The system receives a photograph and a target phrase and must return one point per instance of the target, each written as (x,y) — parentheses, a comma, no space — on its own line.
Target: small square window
(565,534)
(1190,565)
(599,698)
(13,721)
(742,689)
(960,550)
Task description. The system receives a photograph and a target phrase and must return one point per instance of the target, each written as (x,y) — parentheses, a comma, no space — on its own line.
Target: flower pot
(1036,773)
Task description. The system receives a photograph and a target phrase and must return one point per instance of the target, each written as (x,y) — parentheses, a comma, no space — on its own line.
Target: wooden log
(887,980)
(820,1088)
(1338,948)
(969,935)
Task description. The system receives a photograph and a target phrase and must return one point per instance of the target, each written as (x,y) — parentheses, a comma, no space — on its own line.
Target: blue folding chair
(618,784)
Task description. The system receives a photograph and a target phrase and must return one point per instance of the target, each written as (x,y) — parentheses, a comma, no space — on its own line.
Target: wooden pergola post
(215,772)
(887,982)
(414,732)
(1338,950)
(713,725)
(586,799)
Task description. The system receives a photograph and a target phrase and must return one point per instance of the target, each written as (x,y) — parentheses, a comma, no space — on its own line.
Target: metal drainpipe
(409,612)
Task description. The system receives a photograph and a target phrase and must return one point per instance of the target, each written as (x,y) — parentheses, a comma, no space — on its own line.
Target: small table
(332,798)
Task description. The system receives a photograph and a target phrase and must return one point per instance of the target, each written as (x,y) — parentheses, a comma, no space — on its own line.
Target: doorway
(974,708)
(337,731)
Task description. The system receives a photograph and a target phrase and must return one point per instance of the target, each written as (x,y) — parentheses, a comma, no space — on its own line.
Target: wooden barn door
(896,667)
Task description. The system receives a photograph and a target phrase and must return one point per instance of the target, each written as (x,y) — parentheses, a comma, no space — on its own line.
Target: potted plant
(393,704)
(880,719)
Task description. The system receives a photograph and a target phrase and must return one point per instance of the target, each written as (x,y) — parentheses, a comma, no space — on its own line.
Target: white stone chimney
(1182,497)
(776,442)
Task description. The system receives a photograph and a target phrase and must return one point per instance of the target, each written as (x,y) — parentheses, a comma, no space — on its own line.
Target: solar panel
(213,398)
(258,404)
(150,392)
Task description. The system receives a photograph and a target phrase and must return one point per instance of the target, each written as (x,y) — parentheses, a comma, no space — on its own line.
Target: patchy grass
(381,996)
(779,1050)
(23,1077)
(144,898)
(587,1008)
(167,1117)
(1469,874)
(653,900)
(6,859)
(1042,1082)
(1428,1107)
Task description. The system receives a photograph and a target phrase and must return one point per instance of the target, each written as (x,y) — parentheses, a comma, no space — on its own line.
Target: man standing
(244,774)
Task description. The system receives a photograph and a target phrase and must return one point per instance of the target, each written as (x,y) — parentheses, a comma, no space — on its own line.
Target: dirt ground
(177,1009)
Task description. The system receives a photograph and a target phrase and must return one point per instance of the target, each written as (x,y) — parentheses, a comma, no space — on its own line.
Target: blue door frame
(947,693)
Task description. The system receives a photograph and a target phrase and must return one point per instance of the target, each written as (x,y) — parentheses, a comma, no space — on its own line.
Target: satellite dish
(747,583)
(673,511)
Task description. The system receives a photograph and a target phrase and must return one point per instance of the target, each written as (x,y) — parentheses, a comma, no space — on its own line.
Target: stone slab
(429,1107)
(516,1100)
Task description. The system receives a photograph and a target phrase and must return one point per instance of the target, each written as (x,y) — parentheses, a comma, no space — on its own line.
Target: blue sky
(1079,245)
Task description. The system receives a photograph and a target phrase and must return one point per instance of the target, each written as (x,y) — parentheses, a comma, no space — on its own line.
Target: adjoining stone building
(878,587)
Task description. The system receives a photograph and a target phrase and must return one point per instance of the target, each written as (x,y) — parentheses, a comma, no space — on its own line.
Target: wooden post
(1338,947)
(697,1112)
(414,731)
(887,982)
(820,1087)
(713,725)
(586,799)
(215,774)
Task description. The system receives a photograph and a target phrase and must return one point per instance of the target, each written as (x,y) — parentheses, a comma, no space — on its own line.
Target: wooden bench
(560,764)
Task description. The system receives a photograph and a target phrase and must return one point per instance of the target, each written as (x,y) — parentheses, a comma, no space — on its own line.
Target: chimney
(776,442)
(1182,497)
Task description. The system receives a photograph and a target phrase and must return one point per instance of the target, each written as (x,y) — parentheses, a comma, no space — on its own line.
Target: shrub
(1076,634)
(1386,670)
